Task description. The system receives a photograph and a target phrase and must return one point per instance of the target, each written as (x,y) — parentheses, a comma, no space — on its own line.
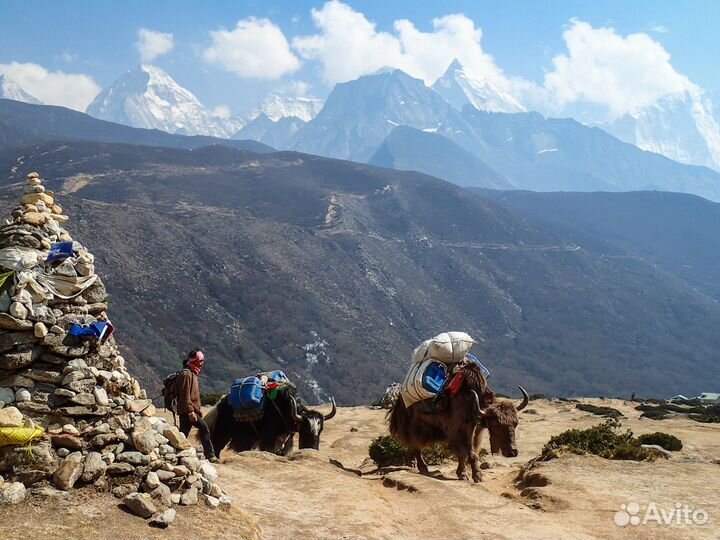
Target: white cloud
(222,111)
(605,68)
(151,44)
(658,28)
(293,88)
(72,90)
(256,48)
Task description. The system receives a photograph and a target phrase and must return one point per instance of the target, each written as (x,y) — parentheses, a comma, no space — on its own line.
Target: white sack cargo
(421,352)
(412,389)
(448,347)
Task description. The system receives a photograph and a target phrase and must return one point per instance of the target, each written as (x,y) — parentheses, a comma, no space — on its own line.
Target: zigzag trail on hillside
(321,495)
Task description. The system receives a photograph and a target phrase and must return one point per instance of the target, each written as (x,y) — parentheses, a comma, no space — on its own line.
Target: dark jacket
(188,392)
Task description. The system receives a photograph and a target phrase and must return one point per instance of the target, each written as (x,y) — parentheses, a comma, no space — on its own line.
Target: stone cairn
(99,427)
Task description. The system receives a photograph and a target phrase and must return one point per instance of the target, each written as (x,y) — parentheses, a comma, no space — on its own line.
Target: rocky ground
(337,493)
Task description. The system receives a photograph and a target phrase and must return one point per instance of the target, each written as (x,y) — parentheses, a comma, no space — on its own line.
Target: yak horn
(525,400)
(293,411)
(476,402)
(331,413)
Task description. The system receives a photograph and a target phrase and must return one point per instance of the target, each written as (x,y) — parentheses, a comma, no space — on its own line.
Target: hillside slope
(334,271)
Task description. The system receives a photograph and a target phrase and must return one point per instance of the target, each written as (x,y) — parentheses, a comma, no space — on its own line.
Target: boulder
(12,493)
(123,490)
(67,474)
(18,311)
(94,467)
(119,469)
(176,438)
(7,395)
(101,396)
(40,330)
(8,322)
(145,441)
(22,394)
(13,339)
(162,520)
(68,441)
(162,495)
(133,458)
(10,417)
(16,359)
(208,471)
(190,497)
(83,399)
(140,504)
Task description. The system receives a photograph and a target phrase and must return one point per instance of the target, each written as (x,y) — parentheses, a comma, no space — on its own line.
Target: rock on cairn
(100,428)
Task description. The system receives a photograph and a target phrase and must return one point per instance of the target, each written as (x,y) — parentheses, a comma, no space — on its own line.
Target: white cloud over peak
(151,44)
(255,48)
(605,68)
(348,46)
(222,111)
(72,90)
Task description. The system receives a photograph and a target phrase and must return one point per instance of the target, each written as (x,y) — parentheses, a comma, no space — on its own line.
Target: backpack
(169,392)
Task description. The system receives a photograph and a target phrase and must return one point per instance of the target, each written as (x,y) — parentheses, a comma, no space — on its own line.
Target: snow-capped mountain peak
(276,107)
(460,87)
(148,97)
(682,126)
(9,89)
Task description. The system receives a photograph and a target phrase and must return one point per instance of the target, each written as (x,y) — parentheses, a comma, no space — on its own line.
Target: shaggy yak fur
(459,422)
(274,432)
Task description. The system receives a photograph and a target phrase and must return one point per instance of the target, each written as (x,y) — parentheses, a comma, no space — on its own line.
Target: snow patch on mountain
(276,107)
(148,97)
(459,87)
(9,89)
(683,126)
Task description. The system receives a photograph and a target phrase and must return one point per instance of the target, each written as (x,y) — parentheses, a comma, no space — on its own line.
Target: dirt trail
(317,495)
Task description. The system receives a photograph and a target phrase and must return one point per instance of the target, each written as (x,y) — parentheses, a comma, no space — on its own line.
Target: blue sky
(518,44)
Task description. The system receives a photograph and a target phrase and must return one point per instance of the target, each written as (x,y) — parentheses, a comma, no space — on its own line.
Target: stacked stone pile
(99,427)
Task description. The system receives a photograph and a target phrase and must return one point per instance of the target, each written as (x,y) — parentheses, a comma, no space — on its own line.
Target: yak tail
(212,415)
(397,417)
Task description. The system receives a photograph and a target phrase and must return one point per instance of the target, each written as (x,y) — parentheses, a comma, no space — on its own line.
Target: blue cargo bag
(247,393)
(472,358)
(276,376)
(434,377)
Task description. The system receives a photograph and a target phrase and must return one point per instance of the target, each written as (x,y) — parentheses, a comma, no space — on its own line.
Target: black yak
(459,421)
(274,431)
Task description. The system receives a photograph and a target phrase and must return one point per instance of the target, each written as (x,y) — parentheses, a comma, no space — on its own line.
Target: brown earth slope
(319,495)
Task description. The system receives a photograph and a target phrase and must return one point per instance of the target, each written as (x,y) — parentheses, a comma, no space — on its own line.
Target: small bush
(600,411)
(386,450)
(655,415)
(210,399)
(602,440)
(705,418)
(665,440)
(534,397)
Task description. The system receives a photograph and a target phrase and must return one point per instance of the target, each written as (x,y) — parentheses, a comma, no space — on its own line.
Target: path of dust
(314,494)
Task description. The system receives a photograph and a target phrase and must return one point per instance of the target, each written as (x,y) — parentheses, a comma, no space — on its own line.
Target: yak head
(501,418)
(310,424)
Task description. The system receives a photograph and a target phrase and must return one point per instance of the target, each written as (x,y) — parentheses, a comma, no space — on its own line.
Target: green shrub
(667,441)
(602,440)
(600,411)
(210,399)
(705,418)
(655,415)
(386,450)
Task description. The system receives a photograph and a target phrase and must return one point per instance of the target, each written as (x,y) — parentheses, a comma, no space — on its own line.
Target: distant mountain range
(683,126)
(147,97)
(276,107)
(459,87)
(527,150)
(9,89)
(22,124)
(470,133)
